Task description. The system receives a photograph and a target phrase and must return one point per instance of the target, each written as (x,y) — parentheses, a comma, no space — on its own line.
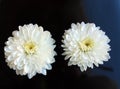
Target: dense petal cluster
(30,50)
(85,45)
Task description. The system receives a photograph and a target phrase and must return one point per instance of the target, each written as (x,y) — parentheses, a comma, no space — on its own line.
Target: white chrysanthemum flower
(86,45)
(30,50)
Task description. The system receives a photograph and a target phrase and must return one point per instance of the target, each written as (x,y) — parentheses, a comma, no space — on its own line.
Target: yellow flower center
(86,45)
(29,47)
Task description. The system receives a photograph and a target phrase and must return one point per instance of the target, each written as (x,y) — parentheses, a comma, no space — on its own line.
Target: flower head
(30,50)
(86,45)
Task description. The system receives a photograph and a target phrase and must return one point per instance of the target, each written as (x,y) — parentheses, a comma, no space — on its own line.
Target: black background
(55,16)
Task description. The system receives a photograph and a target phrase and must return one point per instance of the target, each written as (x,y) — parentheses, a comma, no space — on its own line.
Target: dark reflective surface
(55,16)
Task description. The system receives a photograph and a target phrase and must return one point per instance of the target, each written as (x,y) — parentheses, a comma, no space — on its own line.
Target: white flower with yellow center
(30,50)
(86,45)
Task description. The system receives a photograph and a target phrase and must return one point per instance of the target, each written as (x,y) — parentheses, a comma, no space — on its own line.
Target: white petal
(39,59)
(77,34)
